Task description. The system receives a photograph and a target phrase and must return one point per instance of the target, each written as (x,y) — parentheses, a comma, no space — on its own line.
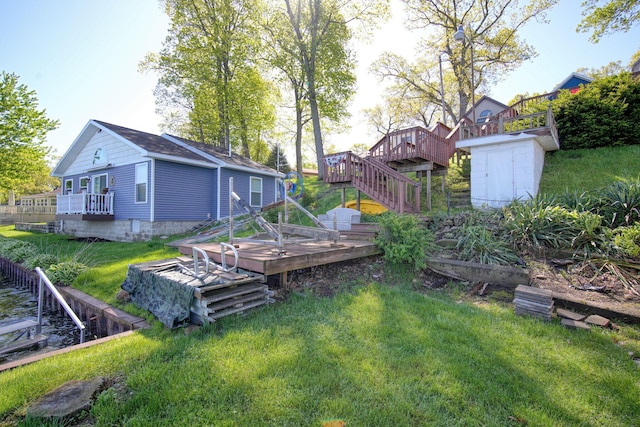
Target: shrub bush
(627,240)
(404,241)
(43,261)
(604,113)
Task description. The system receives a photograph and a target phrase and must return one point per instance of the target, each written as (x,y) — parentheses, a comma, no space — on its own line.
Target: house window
(141,182)
(484,116)
(99,182)
(256,191)
(84,184)
(68,186)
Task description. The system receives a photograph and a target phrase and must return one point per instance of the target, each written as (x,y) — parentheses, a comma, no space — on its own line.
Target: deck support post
(344,196)
(358,194)
(429,189)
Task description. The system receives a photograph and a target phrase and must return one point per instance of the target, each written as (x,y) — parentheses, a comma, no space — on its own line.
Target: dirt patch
(586,282)
(575,281)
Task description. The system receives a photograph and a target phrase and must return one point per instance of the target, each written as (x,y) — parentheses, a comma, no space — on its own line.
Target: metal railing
(44,280)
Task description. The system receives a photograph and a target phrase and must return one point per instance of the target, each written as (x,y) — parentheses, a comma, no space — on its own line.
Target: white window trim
(70,190)
(88,178)
(94,179)
(135,183)
(251,191)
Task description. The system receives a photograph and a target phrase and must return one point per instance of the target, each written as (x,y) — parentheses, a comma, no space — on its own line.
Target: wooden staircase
(380,182)
(416,149)
(380,174)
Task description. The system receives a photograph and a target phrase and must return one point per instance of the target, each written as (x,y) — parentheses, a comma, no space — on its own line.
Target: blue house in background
(127,185)
(573,83)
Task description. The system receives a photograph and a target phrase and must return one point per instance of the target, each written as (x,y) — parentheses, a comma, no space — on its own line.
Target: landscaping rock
(574,324)
(594,319)
(67,400)
(568,314)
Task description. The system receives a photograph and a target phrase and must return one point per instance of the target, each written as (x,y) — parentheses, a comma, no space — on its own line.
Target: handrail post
(40,299)
(56,294)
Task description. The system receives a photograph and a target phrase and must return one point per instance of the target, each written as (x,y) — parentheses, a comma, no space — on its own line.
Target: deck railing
(413,143)
(540,121)
(84,203)
(379,181)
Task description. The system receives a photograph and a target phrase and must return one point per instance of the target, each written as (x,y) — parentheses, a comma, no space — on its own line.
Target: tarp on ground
(168,300)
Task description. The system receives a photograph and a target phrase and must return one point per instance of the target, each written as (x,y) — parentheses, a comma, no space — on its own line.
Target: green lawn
(375,354)
(582,170)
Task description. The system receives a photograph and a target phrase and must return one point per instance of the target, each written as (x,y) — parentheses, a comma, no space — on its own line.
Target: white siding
(118,153)
(503,172)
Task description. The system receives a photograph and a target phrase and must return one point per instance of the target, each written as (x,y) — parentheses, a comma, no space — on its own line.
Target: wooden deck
(265,259)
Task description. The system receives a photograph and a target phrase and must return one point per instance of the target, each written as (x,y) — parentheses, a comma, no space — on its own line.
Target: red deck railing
(417,145)
(414,143)
(383,184)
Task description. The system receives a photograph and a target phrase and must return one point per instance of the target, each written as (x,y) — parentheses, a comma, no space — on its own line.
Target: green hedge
(604,113)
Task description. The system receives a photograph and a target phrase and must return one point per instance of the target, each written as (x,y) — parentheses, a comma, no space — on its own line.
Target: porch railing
(84,203)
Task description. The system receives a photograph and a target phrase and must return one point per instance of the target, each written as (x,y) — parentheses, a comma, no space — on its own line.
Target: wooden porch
(269,260)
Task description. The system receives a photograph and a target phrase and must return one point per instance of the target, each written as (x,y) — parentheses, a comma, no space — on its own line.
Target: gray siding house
(126,185)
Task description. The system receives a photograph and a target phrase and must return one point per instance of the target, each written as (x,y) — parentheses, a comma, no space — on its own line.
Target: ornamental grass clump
(620,203)
(478,244)
(404,241)
(536,226)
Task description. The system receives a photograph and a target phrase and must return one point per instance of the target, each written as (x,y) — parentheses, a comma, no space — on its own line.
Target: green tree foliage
(491,30)
(605,17)
(23,131)
(277,160)
(320,39)
(604,113)
(209,73)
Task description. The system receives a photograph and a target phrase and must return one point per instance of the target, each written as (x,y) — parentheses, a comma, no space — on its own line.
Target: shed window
(256,191)
(141,182)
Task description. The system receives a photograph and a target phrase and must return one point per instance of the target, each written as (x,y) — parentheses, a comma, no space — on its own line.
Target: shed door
(500,178)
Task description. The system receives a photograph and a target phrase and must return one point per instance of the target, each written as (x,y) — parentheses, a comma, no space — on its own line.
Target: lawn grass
(588,169)
(373,355)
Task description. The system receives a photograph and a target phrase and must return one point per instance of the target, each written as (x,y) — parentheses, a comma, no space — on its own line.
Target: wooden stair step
(24,344)
(18,326)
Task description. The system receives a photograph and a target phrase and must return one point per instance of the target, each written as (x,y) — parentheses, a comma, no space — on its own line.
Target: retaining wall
(100,318)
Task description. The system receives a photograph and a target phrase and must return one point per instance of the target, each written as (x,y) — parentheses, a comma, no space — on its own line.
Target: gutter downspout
(218,193)
(152,212)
